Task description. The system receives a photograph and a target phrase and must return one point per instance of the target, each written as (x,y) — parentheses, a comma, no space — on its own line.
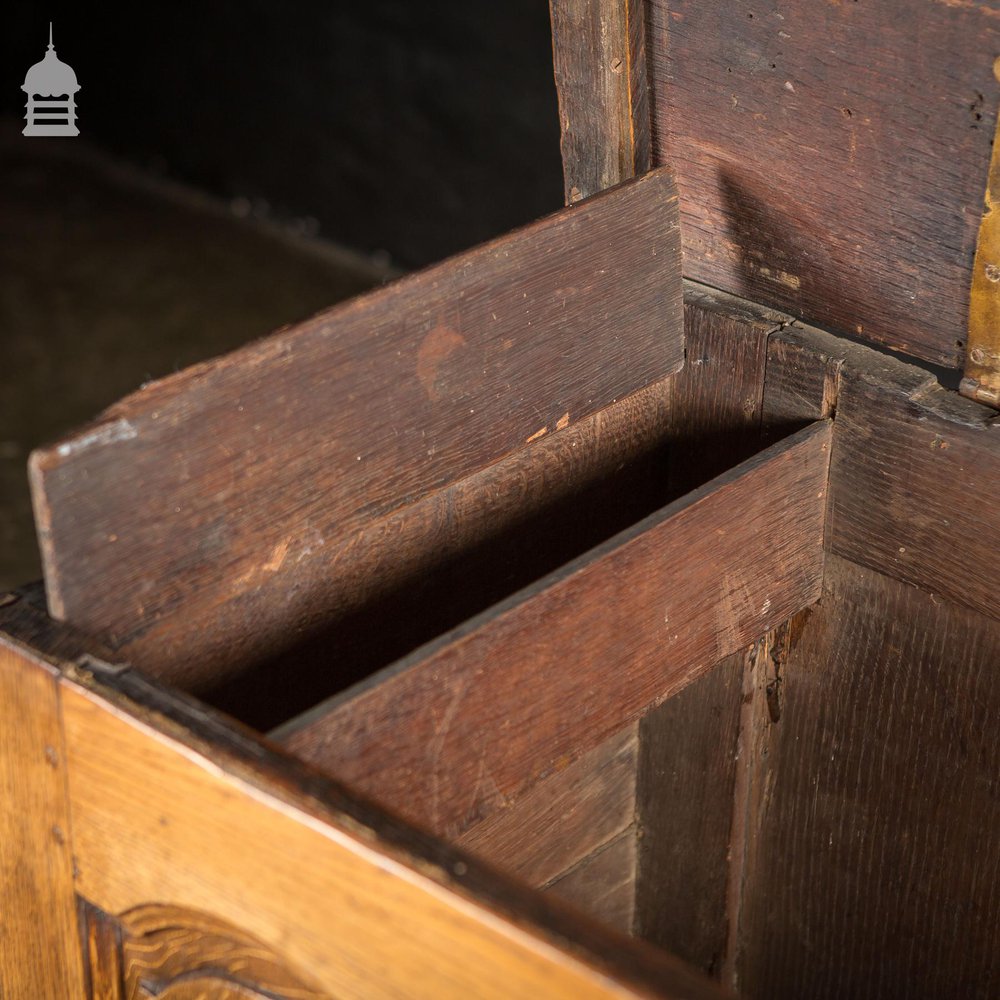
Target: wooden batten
(599,49)
(202,515)
(473,720)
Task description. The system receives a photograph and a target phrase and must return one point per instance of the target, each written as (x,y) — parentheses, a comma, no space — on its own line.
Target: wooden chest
(547,623)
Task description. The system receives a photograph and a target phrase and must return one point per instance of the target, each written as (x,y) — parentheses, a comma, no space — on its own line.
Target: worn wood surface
(907,486)
(803,380)
(603,884)
(684,806)
(181,808)
(714,403)
(480,715)
(874,867)
(39,941)
(563,819)
(600,70)
(172,523)
(909,458)
(831,157)
(403,580)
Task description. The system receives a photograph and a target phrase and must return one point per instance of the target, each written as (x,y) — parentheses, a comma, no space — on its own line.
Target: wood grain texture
(832,157)
(907,457)
(565,818)
(603,884)
(600,70)
(186,809)
(688,749)
(40,953)
(802,381)
(905,474)
(405,579)
(166,948)
(171,523)
(451,732)
(714,403)
(102,950)
(875,866)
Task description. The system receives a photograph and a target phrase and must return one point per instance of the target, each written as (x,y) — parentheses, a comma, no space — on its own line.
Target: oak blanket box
(608,611)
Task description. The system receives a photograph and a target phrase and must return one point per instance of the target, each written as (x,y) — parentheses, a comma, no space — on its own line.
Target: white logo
(51,88)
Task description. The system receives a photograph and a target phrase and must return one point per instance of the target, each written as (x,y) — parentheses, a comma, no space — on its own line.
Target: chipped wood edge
(599,56)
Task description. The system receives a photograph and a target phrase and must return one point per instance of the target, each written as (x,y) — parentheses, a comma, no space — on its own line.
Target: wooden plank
(40,953)
(603,884)
(874,865)
(563,819)
(686,785)
(600,70)
(907,456)
(831,157)
(172,523)
(480,715)
(405,579)
(714,409)
(182,808)
(905,471)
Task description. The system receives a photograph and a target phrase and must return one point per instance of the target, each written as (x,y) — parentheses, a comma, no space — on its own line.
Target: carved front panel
(172,953)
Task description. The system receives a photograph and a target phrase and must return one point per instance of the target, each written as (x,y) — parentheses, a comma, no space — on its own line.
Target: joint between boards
(760,715)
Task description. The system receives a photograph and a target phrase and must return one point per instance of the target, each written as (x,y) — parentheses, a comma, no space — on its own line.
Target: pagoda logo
(51,87)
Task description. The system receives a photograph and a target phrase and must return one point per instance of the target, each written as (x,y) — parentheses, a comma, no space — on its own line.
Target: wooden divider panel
(832,157)
(461,726)
(172,523)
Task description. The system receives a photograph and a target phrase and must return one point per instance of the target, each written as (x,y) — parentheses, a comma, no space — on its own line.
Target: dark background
(419,128)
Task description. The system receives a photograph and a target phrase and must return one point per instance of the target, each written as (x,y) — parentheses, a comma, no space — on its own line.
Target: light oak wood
(39,943)
(155,819)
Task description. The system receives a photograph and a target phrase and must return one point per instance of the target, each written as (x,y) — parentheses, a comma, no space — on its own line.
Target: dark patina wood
(873,862)
(195,511)
(686,787)
(600,70)
(484,712)
(832,158)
